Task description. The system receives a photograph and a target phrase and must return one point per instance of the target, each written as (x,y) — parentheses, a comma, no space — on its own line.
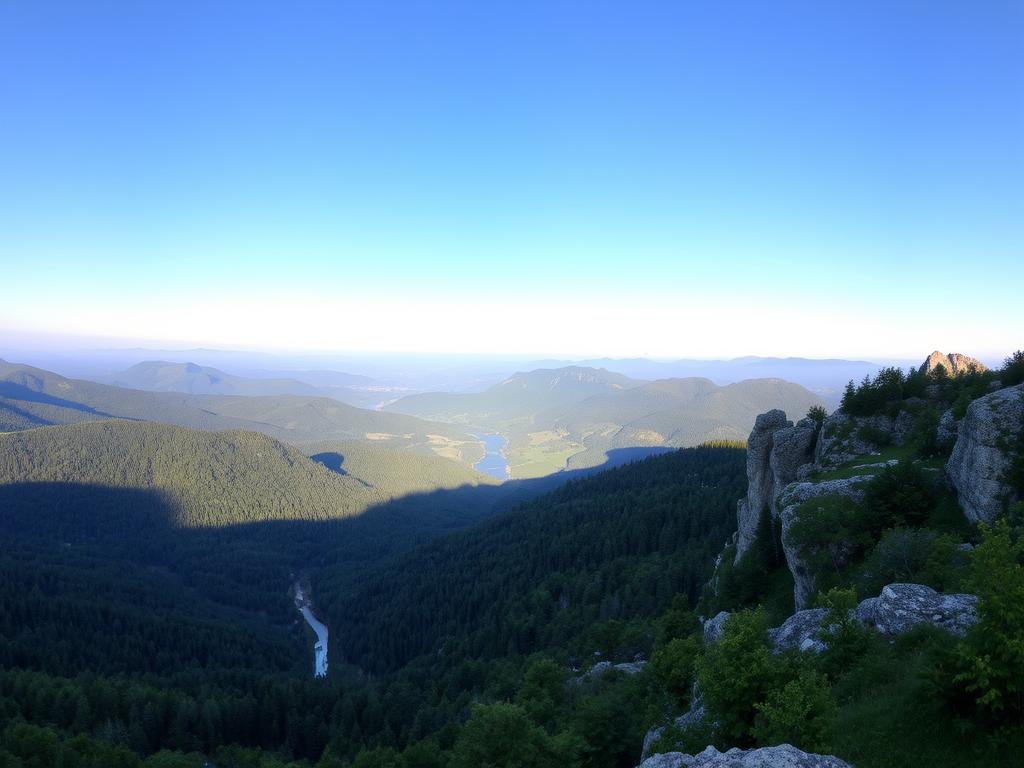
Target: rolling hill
(32,397)
(571,417)
(189,378)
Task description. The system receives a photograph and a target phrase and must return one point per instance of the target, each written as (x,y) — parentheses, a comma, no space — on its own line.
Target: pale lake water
(494,462)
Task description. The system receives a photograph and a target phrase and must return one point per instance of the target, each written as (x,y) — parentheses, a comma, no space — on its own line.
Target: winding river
(320,646)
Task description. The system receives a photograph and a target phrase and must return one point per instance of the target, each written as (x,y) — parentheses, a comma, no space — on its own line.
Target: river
(320,646)
(494,462)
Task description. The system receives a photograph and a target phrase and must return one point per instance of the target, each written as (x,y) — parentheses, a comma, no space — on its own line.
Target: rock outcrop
(694,715)
(803,631)
(760,482)
(782,756)
(789,502)
(902,606)
(777,450)
(982,453)
(714,627)
(954,363)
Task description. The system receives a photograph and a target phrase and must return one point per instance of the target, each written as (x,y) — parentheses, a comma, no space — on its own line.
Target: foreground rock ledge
(782,756)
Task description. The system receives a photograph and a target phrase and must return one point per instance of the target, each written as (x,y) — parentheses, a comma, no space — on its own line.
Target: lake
(494,462)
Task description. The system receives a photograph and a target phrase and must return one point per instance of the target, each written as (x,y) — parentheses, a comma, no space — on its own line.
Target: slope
(32,397)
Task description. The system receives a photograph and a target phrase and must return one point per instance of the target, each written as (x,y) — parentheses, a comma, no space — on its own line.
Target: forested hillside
(208,478)
(31,397)
(190,642)
(555,573)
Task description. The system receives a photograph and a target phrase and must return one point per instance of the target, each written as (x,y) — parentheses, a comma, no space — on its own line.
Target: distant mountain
(32,397)
(571,417)
(194,379)
(517,397)
(824,377)
(162,376)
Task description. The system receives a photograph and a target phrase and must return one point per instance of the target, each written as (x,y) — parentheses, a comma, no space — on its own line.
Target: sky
(556,178)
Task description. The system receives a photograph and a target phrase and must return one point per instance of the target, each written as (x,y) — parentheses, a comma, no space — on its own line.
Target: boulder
(802,631)
(714,627)
(981,456)
(760,485)
(954,363)
(902,606)
(792,497)
(782,756)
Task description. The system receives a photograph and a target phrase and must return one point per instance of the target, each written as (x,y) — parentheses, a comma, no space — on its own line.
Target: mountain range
(571,417)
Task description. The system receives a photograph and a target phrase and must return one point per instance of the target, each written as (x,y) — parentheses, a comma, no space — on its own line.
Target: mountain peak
(954,363)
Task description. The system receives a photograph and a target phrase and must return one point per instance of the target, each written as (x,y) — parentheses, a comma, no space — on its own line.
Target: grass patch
(861,464)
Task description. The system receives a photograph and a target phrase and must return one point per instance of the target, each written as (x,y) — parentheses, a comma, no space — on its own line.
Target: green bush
(802,713)
(988,667)
(736,673)
(673,667)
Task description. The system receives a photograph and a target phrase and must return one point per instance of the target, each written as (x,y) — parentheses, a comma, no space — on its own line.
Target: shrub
(988,680)
(673,667)
(500,735)
(737,672)
(902,554)
(802,713)
(817,414)
(1012,371)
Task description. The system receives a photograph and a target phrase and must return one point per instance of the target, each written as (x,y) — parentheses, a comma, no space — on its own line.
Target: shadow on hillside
(21,392)
(248,566)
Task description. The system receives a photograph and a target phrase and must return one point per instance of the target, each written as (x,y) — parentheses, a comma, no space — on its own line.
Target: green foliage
(1012,371)
(736,673)
(817,414)
(988,667)
(542,691)
(502,736)
(673,667)
(677,621)
(802,713)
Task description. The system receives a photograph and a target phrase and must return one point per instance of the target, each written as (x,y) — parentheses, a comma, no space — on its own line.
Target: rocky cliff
(987,441)
(776,451)
(954,363)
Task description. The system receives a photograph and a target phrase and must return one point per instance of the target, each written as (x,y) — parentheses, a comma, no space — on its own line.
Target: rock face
(980,458)
(760,482)
(792,497)
(714,627)
(695,714)
(777,451)
(782,756)
(954,363)
(901,606)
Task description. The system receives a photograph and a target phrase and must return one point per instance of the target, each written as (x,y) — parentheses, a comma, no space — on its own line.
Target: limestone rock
(954,363)
(760,485)
(792,497)
(901,606)
(782,756)
(980,457)
(802,631)
(714,627)
(792,448)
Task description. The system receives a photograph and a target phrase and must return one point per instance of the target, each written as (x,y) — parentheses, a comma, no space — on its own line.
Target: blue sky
(677,179)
